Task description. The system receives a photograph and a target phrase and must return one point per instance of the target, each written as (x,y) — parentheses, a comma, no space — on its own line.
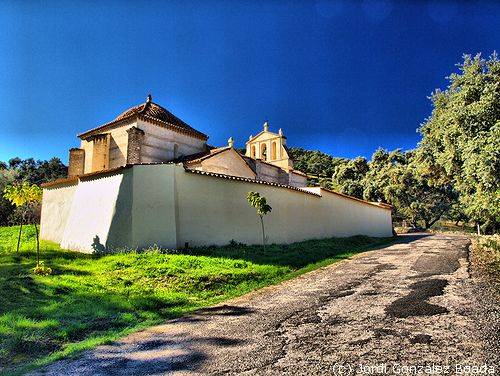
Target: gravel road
(397,310)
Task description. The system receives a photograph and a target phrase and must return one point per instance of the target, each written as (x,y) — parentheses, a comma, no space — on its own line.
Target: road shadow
(410,238)
(151,356)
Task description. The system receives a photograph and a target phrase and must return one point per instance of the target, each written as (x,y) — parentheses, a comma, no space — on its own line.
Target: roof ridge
(153,112)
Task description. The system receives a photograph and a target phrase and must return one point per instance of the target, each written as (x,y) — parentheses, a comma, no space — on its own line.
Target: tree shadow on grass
(41,315)
(295,255)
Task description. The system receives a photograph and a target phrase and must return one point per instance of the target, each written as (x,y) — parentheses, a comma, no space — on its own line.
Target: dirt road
(412,304)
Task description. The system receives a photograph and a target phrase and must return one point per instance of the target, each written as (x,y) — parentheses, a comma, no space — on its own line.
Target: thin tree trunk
(19,236)
(37,246)
(263,232)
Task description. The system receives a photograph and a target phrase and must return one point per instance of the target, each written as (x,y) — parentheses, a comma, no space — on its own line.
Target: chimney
(230,142)
(134,145)
(76,162)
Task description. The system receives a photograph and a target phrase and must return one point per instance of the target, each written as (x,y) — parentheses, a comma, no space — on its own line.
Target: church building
(150,134)
(148,178)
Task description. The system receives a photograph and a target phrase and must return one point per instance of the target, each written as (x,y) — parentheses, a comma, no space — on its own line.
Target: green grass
(92,299)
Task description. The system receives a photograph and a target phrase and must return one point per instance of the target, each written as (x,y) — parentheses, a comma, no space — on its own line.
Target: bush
(41,269)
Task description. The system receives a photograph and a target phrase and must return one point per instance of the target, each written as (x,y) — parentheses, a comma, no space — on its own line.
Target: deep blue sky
(341,77)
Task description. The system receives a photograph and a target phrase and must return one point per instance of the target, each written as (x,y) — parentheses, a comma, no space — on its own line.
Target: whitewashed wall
(56,208)
(167,206)
(214,211)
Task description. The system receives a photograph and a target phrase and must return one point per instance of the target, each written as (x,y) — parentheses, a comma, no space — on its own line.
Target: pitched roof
(153,112)
(198,157)
(261,132)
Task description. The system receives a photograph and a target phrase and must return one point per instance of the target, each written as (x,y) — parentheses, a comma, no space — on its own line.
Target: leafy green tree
(7,176)
(348,177)
(312,162)
(18,170)
(394,177)
(461,139)
(261,206)
(415,199)
(24,196)
(37,171)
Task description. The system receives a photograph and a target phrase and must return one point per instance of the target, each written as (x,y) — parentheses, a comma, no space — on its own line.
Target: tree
(415,199)
(7,177)
(395,177)
(314,163)
(37,172)
(461,139)
(348,177)
(260,204)
(18,170)
(24,196)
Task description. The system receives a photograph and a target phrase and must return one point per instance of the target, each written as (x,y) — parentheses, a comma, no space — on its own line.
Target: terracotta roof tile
(382,205)
(150,111)
(239,178)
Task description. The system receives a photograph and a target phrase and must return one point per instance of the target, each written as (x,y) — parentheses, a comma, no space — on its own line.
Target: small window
(252,151)
(176,151)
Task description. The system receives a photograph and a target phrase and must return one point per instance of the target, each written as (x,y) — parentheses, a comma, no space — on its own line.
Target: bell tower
(269,147)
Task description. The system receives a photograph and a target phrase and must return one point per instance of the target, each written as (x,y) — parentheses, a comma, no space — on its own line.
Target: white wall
(99,208)
(214,211)
(154,214)
(56,208)
(168,206)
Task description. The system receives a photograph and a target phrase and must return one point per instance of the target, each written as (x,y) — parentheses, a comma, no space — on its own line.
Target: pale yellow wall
(159,142)
(351,217)
(117,147)
(165,205)
(158,145)
(89,148)
(228,162)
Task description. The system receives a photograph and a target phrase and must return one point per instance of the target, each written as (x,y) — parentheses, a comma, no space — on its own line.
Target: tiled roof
(299,172)
(96,174)
(198,157)
(382,205)
(153,112)
(239,178)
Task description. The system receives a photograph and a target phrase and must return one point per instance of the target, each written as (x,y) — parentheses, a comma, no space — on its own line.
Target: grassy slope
(487,257)
(93,299)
